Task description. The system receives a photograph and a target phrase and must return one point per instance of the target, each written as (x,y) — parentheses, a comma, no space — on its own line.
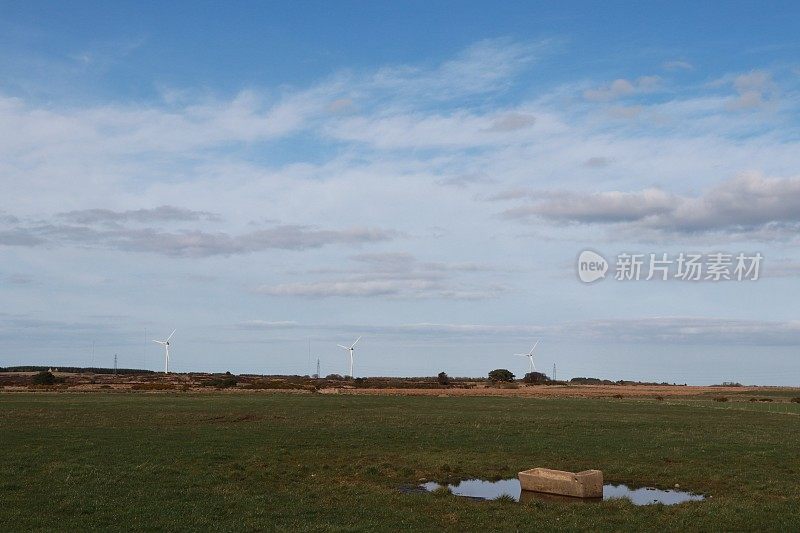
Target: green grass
(323,462)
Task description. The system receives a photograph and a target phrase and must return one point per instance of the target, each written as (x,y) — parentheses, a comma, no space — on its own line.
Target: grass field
(261,461)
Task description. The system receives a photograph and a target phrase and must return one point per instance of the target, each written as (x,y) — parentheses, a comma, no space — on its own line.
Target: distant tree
(589,381)
(443,379)
(501,374)
(535,377)
(43,378)
(334,377)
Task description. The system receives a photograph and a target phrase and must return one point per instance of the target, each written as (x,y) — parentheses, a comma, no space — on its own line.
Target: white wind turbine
(530,356)
(166,350)
(351,349)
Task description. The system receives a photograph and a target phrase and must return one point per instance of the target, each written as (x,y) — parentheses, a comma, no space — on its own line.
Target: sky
(273,179)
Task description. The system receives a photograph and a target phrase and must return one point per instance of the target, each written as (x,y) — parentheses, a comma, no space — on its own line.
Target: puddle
(489,490)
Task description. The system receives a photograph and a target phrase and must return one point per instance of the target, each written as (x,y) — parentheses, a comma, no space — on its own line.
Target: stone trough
(586,484)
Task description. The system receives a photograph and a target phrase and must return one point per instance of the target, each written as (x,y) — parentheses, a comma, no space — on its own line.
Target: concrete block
(586,484)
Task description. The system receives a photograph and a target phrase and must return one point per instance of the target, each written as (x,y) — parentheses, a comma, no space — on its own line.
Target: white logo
(591,266)
(684,266)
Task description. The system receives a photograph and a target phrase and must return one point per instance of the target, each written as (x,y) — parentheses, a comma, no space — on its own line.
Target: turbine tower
(166,350)
(530,356)
(351,349)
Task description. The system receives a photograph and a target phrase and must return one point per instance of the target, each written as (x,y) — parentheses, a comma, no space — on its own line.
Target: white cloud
(163,213)
(597,162)
(457,130)
(363,288)
(750,204)
(755,89)
(462,181)
(35,132)
(602,207)
(669,330)
(625,112)
(268,324)
(677,65)
(513,122)
(395,275)
(486,66)
(82,232)
(621,88)
(672,330)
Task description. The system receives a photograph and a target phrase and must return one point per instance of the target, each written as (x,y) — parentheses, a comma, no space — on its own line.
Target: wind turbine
(529,355)
(351,349)
(166,350)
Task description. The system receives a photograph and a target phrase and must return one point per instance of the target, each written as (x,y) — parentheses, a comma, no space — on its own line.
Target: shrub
(535,377)
(618,396)
(501,374)
(586,381)
(334,377)
(44,378)
(721,399)
(795,400)
(660,398)
(443,379)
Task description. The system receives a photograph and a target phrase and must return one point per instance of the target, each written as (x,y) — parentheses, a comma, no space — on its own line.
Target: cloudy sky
(265,178)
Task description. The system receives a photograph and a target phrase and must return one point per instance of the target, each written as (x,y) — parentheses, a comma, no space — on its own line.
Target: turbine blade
(340,346)
(171,334)
(354,344)
(535,345)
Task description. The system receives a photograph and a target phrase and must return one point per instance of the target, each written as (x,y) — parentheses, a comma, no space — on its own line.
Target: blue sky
(425,174)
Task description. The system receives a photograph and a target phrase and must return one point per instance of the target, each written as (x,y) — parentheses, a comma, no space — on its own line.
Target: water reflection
(490,490)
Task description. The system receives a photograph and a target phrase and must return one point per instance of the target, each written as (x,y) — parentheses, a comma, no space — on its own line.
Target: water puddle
(490,490)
